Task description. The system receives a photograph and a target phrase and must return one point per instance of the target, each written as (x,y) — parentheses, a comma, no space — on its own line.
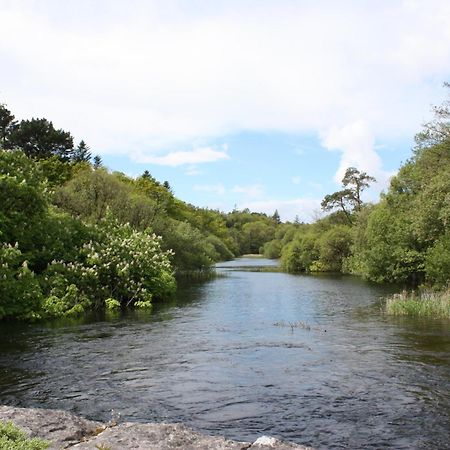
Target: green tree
(22,197)
(348,199)
(7,126)
(437,262)
(300,254)
(276,217)
(341,200)
(256,234)
(437,130)
(82,153)
(98,163)
(39,139)
(356,182)
(334,246)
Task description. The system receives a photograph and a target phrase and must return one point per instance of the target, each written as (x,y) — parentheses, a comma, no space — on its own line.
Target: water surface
(307,358)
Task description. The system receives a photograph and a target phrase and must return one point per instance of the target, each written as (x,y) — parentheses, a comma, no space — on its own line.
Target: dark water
(225,360)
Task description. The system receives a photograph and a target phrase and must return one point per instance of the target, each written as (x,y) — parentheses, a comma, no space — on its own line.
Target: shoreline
(65,430)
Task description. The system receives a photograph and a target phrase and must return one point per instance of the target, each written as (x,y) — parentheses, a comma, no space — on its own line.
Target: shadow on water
(337,374)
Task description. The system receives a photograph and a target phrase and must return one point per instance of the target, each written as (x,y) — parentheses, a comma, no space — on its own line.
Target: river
(310,359)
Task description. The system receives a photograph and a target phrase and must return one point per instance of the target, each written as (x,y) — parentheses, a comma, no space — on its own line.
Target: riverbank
(67,431)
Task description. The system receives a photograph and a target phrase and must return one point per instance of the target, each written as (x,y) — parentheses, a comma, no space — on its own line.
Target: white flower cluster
(124,264)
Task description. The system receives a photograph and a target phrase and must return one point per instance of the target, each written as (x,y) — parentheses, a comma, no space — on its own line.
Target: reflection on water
(216,360)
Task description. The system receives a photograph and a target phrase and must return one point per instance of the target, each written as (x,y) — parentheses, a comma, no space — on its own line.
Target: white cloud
(152,75)
(306,209)
(217,189)
(296,180)
(250,191)
(356,143)
(173,159)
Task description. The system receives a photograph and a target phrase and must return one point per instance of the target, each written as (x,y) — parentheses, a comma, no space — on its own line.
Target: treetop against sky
(252,104)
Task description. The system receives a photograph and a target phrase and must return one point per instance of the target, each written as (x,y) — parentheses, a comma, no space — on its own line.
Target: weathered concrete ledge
(67,431)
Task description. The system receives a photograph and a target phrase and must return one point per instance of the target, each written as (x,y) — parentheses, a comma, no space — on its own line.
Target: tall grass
(420,304)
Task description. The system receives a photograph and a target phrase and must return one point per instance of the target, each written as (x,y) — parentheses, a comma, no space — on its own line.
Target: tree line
(75,236)
(405,238)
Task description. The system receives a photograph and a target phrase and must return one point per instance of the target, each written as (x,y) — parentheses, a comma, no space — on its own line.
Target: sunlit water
(224,359)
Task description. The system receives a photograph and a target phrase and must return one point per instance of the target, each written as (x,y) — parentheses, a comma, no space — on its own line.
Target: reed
(423,303)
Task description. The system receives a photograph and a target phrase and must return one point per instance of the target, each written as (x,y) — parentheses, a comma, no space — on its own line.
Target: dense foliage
(75,236)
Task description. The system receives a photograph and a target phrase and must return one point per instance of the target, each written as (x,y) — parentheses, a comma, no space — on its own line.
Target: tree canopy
(348,199)
(39,139)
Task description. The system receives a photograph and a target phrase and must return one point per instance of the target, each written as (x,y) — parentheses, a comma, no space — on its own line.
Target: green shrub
(300,254)
(12,438)
(20,292)
(334,246)
(272,249)
(112,303)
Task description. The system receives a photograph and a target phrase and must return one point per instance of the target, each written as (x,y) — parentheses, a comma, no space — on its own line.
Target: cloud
(192,171)
(217,189)
(306,209)
(250,191)
(161,74)
(356,143)
(296,180)
(174,159)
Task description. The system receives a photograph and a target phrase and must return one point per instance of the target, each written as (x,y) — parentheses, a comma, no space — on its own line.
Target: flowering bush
(121,264)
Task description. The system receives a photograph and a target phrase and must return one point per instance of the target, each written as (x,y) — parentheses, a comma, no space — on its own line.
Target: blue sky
(258,104)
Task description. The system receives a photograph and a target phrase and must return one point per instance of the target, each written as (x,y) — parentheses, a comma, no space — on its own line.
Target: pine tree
(82,153)
(276,216)
(39,139)
(97,162)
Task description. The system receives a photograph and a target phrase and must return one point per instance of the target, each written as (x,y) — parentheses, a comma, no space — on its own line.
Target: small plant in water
(293,325)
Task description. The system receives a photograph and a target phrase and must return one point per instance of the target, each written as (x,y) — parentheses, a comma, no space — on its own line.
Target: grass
(420,304)
(13,438)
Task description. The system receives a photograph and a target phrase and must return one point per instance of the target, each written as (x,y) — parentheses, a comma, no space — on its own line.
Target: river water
(310,359)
